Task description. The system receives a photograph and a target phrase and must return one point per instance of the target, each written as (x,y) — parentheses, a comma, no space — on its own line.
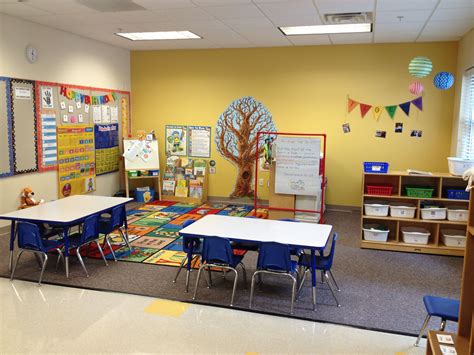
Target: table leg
(313,277)
(66,249)
(12,244)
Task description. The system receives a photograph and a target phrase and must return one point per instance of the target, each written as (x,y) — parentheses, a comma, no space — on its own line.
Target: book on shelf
(168,176)
(199,167)
(195,182)
(195,191)
(168,187)
(173,161)
(181,191)
(188,172)
(181,183)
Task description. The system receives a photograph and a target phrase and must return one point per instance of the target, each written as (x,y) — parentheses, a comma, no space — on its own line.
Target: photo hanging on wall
(176,140)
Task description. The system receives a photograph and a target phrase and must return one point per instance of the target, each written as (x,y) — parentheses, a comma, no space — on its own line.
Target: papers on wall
(48,138)
(199,141)
(141,155)
(105,110)
(106,148)
(96,114)
(132,152)
(47,97)
(114,114)
(23,93)
(297,166)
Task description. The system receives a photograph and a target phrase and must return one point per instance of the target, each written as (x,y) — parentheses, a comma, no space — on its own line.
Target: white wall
(64,58)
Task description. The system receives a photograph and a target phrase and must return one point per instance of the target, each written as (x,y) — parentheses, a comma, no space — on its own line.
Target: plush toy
(27,200)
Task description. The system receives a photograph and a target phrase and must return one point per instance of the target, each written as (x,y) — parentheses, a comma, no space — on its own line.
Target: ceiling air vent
(111,5)
(348,17)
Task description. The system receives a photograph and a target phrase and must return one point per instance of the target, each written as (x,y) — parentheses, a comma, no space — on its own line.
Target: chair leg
(293,294)
(210,277)
(322,276)
(326,275)
(422,330)
(235,287)
(442,325)
(38,260)
(334,280)
(101,252)
(244,271)
(78,253)
(125,238)
(252,287)
(179,269)
(43,268)
(110,247)
(60,257)
(14,265)
(197,281)
(186,287)
(302,280)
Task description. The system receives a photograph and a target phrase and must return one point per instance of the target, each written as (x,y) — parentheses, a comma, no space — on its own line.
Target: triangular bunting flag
(377,112)
(391,110)
(351,104)
(405,107)
(364,109)
(418,102)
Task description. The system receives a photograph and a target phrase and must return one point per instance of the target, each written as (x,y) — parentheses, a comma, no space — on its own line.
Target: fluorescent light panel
(327,29)
(158,36)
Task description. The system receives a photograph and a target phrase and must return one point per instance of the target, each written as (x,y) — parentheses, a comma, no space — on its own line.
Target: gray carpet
(380,290)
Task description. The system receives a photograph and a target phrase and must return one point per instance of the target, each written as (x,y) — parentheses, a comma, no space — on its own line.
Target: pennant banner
(391,109)
(87,99)
(364,109)
(351,104)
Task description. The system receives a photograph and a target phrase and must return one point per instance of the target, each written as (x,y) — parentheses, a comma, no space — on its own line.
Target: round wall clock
(31,54)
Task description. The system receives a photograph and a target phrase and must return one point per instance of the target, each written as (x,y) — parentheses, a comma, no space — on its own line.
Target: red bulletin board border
(322,171)
(39,140)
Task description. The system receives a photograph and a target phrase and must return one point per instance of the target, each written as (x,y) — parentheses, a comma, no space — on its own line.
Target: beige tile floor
(54,319)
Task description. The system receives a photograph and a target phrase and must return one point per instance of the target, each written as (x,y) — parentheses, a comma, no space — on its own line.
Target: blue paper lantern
(420,67)
(443,80)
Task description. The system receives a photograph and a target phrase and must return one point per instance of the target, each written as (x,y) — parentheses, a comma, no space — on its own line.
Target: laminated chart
(48,148)
(106,148)
(76,160)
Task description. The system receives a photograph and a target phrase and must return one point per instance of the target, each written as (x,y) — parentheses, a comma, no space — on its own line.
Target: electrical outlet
(260,182)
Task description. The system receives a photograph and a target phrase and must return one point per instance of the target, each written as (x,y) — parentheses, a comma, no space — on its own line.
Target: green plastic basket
(424,192)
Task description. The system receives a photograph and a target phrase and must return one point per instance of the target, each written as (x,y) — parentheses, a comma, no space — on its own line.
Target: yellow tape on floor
(167,308)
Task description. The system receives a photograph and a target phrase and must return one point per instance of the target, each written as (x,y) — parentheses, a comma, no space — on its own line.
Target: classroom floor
(59,319)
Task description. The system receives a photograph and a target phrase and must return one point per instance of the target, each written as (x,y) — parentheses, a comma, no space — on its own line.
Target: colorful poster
(199,141)
(106,148)
(76,160)
(176,140)
(48,140)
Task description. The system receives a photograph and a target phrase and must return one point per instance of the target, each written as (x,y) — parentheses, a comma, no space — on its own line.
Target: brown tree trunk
(243,185)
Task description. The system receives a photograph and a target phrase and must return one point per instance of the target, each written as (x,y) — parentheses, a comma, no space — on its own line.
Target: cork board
(6,149)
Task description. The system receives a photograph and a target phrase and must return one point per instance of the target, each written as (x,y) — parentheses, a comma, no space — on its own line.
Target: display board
(6,147)
(297,166)
(76,160)
(199,141)
(141,155)
(106,148)
(176,140)
(24,140)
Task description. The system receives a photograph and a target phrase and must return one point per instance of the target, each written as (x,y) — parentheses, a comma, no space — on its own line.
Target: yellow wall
(305,89)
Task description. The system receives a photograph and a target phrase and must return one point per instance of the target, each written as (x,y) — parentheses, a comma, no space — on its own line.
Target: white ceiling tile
(185,14)
(249,23)
(309,40)
(447,28)
(394,37)
(234,11)
(140,16)
(394,28)
(452,4)
(400,5)
(437,38)
(163,4)
(347,38)
(341,6)
(21,10)
(288,9)
(281,21)
(407,16)
(198,27)
(60,6)
(220,2)
(453,14)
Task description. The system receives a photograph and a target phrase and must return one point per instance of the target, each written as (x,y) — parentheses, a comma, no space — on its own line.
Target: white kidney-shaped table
(66,212)
(301,235)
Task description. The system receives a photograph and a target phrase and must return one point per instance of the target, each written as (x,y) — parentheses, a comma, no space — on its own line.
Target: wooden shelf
(142,177)
(461,344)
(439,182)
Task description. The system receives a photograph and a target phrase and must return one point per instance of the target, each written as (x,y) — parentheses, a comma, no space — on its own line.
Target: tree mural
(236,138)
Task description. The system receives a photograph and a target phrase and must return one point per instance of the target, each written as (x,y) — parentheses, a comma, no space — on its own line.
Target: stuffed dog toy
(27,200)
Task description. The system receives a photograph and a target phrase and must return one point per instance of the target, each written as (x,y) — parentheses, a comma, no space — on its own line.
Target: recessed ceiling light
(327,29)
(158,36)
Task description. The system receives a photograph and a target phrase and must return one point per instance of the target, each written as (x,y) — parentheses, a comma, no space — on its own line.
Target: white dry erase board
(136,158)
(297,166)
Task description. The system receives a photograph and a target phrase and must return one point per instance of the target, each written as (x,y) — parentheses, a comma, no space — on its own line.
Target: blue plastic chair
(89,235)
(324,264)
(275,258)
(191,246)
(29,239)
(217,253)
(116,221)
(445,308)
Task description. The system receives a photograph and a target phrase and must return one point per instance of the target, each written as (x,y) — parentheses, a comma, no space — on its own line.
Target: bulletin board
(135,162)
(6,148)
(107,152)
(76,160)
(24,135)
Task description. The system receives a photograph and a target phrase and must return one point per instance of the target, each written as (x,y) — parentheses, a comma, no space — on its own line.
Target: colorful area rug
(153,230)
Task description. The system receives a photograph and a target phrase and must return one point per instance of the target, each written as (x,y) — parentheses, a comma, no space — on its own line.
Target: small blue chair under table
(116,221)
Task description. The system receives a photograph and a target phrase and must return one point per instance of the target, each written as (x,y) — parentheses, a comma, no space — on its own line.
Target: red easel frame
(322,172)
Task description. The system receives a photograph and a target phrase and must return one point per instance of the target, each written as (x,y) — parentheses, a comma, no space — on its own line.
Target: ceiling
(249,23)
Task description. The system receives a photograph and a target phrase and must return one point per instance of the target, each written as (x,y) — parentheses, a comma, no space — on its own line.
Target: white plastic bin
(373,234)
(453,238)
(415,235)
(433,213)
(402,210)
(376,208)
(457,166)
(457,214)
